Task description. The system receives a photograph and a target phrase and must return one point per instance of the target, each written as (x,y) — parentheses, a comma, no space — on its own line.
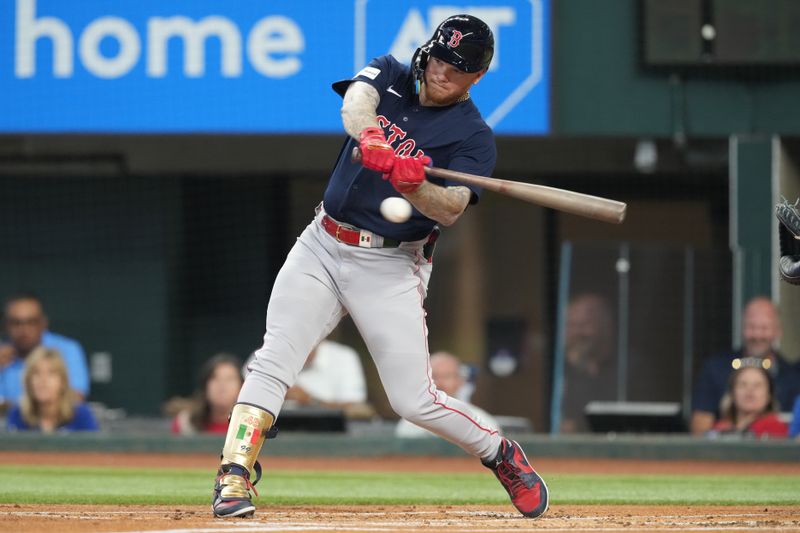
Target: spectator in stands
(761,331)
(26,328)
(590,369)
(749,407)
(447,375)
(331,377)
(47,403)
(794,428)
(217,390)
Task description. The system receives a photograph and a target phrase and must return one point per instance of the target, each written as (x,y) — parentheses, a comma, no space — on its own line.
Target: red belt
(355,236)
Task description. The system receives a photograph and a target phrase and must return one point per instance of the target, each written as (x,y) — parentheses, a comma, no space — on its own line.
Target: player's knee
(413,411)
(265,362)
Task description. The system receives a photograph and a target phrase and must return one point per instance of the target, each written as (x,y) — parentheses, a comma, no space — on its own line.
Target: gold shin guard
(247,430)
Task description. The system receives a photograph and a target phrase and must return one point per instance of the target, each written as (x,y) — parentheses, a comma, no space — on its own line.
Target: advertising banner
(240,66)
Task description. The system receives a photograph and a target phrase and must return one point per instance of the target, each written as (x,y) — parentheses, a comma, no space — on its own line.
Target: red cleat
(527,490)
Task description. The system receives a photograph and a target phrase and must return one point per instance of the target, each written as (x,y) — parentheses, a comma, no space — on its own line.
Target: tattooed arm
(442,204)
(359,108)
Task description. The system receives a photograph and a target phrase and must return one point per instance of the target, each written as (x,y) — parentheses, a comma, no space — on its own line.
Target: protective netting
(156,273)
(638,320)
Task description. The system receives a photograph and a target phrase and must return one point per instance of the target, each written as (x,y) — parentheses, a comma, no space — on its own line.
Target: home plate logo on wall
(514,97)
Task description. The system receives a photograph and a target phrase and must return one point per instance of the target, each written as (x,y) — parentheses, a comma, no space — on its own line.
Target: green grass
(51,485)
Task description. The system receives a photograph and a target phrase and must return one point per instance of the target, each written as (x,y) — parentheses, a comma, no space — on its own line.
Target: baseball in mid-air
(396,209)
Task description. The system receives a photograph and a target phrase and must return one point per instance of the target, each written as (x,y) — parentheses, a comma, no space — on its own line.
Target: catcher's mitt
(789,233)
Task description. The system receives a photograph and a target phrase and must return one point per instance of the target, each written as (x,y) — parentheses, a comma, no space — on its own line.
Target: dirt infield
(69,519)
(400,518)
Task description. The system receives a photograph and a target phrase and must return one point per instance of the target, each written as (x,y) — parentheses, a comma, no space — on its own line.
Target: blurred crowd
(752,390)
(44,378)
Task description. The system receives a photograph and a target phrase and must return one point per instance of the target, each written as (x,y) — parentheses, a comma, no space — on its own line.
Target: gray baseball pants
(383,289)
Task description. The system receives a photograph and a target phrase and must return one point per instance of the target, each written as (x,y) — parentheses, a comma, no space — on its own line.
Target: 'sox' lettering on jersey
(406,147)
(455,39)
(396,133)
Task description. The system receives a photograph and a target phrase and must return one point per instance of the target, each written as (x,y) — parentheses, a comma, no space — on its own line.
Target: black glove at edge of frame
(789,236)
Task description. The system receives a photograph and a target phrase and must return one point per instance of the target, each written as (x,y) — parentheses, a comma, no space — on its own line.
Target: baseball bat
(572,202)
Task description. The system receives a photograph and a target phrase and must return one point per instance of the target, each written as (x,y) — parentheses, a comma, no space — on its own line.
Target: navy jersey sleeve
(380,73)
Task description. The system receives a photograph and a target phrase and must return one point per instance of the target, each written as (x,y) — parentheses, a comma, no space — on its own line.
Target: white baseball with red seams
(395,209)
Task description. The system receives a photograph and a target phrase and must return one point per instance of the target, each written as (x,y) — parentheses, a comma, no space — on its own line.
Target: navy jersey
(455,137)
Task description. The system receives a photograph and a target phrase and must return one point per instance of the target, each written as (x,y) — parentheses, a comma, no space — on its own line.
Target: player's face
(223,387)
(751,391)
(445,84)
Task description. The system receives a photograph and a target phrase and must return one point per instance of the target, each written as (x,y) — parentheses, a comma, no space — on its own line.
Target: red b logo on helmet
(455,39)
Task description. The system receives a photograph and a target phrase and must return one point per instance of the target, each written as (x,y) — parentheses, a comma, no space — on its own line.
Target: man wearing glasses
(25,327)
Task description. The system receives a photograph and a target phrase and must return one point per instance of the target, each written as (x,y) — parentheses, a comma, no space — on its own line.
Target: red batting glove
(376,154)
(408,173)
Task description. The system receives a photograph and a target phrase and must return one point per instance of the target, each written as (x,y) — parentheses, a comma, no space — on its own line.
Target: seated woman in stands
(48,404)
(208,410)
(749,406)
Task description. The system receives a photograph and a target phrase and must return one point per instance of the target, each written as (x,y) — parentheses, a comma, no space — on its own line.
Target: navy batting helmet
(464,41)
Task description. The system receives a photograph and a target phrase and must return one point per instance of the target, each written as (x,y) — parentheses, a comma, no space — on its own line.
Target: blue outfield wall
(208,66)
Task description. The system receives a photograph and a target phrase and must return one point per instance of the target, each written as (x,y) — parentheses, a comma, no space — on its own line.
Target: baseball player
(351,260)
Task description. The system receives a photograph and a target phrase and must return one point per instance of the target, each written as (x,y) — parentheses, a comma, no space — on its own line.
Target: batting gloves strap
(408,173)
(376,154)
